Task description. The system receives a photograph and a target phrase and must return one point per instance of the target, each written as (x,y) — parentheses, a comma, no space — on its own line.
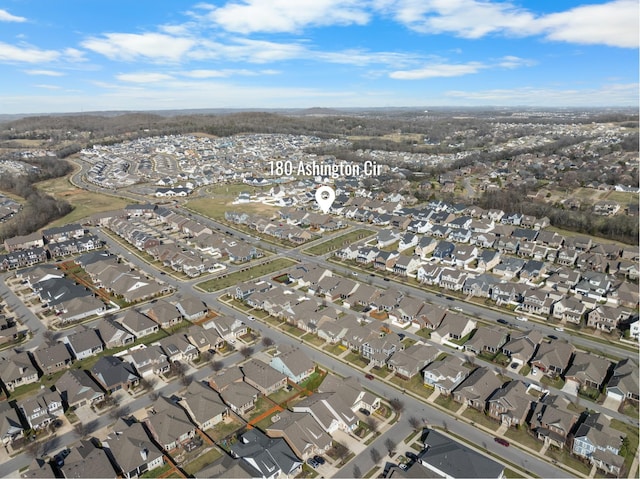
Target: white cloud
(441,70)
(26,54)
(614,24)
(203,74)
(510,62)
(48,87)
(132,46)
(249,16)
(606,95)
(143,77)
(7,17)
(49,73)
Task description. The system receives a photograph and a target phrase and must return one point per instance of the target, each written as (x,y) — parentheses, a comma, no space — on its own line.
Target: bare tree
(342,451)
(186,380)
(372,423)
(246,351)
(375,455)
(357,473)
(206,356)
(147,384)
(118,412)
(415,423)
(267,342)
(81,429)
(397,405)
(49,335)
(390,445)
(217,365)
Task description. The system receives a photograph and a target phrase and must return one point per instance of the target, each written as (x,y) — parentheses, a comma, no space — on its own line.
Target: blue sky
(79,55)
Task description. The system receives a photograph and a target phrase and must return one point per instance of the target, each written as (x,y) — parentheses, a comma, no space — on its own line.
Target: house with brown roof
(487,339)
(551,421)
(138,324)
(510,404)
(477,388)
(587,370)
(164,313)
(409,362)
(204,406)
(77,389)
(16,369)
(522,345)
(131,451)
(553,357)
(51,358)
(293,363)
(431,316)
(169,424)
(453,326)
(304,435)
(239,396)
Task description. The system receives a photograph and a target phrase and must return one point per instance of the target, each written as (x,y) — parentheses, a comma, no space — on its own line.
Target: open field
(236,277)
(85,203)
(339,242)
(215,200)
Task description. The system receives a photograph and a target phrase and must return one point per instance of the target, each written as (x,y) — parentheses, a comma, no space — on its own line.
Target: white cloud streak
(7,17)
(26,54)
(49,73)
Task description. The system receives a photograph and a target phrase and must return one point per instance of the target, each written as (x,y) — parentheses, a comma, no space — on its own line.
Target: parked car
(364,411)
(552,336)
(312,462)
(534,372)
(559,329)
(251,318)
(319,459)
(502,321)
(369,376)
(501,441)
(522,318)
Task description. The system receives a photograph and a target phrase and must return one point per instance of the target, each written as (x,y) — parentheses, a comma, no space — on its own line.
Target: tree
(217,365)
(147,384)
(35,449)
(357,473)
(118,412)
(397,405)
(390,445)
(267,342)
(375,455)
(342,451)
(49,335)
(246,351)
(206,356)
(372,423)
(186,379)
(415,423)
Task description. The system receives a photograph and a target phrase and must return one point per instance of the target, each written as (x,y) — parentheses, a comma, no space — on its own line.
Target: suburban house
(204,406)
(87,460)
(596,441)
(138,324)
(192,308)
(302,433)
(587,370)
(522,345)
(293,363)
(624,383)
(239,396)
(149,361)
(409,362)
(270,458)
(477,388)
(431,316)
(10,424)
(227,327)
(114,374)
(510,404)
(42,409)
(51,358)
(552,358)
(84,343)
(17,370)
(178,348)
(263,377)
(112,334)
(551,421)
(445,374)
(164,313)
(453,326)
(169,424)
(130,450)
(487,340)
(77,389)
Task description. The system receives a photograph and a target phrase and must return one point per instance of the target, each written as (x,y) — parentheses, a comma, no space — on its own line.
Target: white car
(522,318)
(559,329)
(251,318)
(534,371)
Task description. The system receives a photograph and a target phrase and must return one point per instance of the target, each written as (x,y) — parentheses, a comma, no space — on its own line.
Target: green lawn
(202,461)
(356,360)
(380,372)
(262,405)
(630,409)
(415,384)
(293,330)
(313,339)
(314,381)
(447,402)
(158,471)
(338,242)
(557,383)
(523,437)
(223,429)
(219,198)
(565,457)
(335,349)
(283,395)
(481,418)
(236,277)
(632,438)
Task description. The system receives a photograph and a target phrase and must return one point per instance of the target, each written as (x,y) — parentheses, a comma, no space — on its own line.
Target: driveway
(570,387)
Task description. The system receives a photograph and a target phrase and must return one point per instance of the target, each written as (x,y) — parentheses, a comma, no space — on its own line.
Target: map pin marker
(325,197)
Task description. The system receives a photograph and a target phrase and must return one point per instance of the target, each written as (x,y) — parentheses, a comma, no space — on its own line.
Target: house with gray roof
(164,313)
(410,361)
(169,424)
(487,340)
(453,326)
(269,457)
(445,374)
(239,396)
(587,370)
(138,324)
(149,361)
(510,404)
(192,308)
(51,358)
(477,388)
(293,363)
(16,369)
(41,410)
(445,457)
(302,433)
(263,377)
(83,343)
(112,334)
(114,374)
(598,442)
(522,345)
(203,404)
(227,327)
(77,389)
(130,450)
(623,384)
(551,421)
(87,460)
(553,357)
(10,424)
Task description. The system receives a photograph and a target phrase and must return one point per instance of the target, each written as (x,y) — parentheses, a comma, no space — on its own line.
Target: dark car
(369,376)
(411,456)
(364,411)
(386,279)
(402,336)
(514,366)
(312,463)
(319,459)
(552,336)
(501,441)
(502,321)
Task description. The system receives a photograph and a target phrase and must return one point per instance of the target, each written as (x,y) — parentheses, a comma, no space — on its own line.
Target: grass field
(84,203)
(219,198)
(202,461)
(230,279)
(338,242)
